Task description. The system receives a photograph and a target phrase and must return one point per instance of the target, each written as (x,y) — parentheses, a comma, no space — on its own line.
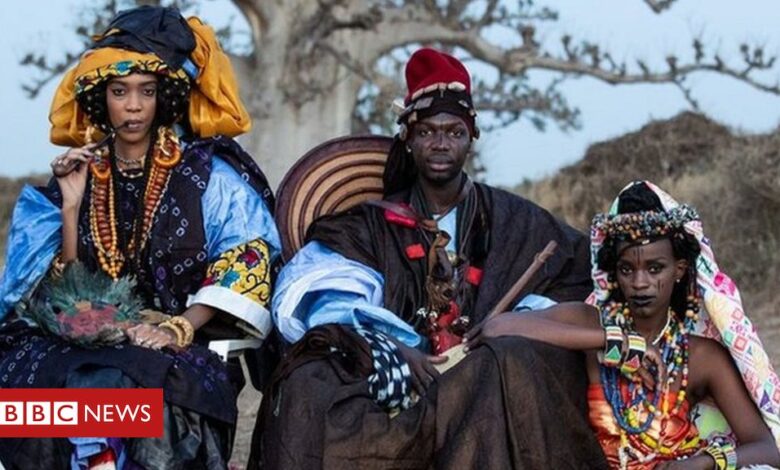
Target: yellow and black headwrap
(153,40)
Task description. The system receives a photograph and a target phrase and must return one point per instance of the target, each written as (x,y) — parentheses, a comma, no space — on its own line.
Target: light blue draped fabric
(449,224)
(34,238)
(320,286)
(534,302)
(234,214)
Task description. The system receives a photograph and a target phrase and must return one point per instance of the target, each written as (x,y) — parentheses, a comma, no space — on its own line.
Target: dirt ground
(248,404)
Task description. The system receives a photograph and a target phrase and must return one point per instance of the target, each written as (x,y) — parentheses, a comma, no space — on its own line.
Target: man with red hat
(379,294)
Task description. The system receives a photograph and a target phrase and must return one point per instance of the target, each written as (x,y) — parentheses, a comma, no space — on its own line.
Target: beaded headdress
(644,225)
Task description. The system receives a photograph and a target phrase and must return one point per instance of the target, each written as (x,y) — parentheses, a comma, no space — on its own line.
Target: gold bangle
(187,328)
(176,330)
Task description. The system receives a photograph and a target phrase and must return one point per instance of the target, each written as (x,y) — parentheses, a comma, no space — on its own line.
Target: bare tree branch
(315,58)
(658,6)
(380,31)
(413,24)
(95,18)
(688,94)
(256,14)
(509,100)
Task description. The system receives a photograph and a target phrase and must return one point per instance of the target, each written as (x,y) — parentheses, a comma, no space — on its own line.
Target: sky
(627,28)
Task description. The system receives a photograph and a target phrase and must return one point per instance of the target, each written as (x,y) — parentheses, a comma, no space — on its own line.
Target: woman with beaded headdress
(678,376)
(153,207)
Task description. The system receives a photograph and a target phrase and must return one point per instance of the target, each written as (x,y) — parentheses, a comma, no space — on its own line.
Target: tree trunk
(282,131)
(294,106)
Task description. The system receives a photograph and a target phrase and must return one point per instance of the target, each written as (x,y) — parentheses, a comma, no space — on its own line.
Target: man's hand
(421,366)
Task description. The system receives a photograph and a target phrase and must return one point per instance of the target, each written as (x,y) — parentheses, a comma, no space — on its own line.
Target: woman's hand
(499,325)
(70,169)
(700,461)
(652,359)
(421,366)
(149,336)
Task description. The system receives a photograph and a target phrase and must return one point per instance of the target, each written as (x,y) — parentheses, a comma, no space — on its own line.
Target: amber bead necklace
(166,154)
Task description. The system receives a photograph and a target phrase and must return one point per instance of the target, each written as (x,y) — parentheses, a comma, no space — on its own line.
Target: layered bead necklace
(166,154)
(635,408)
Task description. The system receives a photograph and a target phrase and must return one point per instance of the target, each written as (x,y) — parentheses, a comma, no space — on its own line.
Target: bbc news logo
(81,412)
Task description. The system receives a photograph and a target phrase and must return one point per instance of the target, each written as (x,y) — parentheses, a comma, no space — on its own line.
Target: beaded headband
(644,225)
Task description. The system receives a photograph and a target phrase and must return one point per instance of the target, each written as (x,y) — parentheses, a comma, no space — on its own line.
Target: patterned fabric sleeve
(239,282)
(242,240)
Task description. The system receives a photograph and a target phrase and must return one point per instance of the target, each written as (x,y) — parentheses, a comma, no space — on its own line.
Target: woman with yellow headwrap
(153,207)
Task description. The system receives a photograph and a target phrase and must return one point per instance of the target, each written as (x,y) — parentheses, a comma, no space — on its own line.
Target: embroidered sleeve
(238,282)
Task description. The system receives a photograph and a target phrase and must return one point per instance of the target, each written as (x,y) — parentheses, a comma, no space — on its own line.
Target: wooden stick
(457,353)
(506,301)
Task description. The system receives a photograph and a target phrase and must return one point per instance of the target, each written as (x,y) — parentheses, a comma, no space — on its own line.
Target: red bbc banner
(81,412)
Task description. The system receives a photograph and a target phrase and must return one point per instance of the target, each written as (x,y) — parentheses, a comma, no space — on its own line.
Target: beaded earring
(693,300)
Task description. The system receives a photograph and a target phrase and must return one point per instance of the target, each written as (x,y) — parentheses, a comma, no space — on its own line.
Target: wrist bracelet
(187,328)
(636,352)
(613,347)
(182,328)
(176,330)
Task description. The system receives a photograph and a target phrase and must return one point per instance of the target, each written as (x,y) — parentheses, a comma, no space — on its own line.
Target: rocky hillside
(733,179)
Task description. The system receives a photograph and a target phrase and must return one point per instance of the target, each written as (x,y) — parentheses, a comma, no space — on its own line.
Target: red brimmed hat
(429,70)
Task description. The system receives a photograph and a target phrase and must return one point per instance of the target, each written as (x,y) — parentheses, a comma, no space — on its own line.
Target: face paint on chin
(646,275)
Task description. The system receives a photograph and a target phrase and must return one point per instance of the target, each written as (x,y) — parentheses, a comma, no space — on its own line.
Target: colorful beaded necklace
(634,407)
(102,210)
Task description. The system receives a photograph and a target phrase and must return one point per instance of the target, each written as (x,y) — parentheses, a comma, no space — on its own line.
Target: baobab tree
(313,70)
